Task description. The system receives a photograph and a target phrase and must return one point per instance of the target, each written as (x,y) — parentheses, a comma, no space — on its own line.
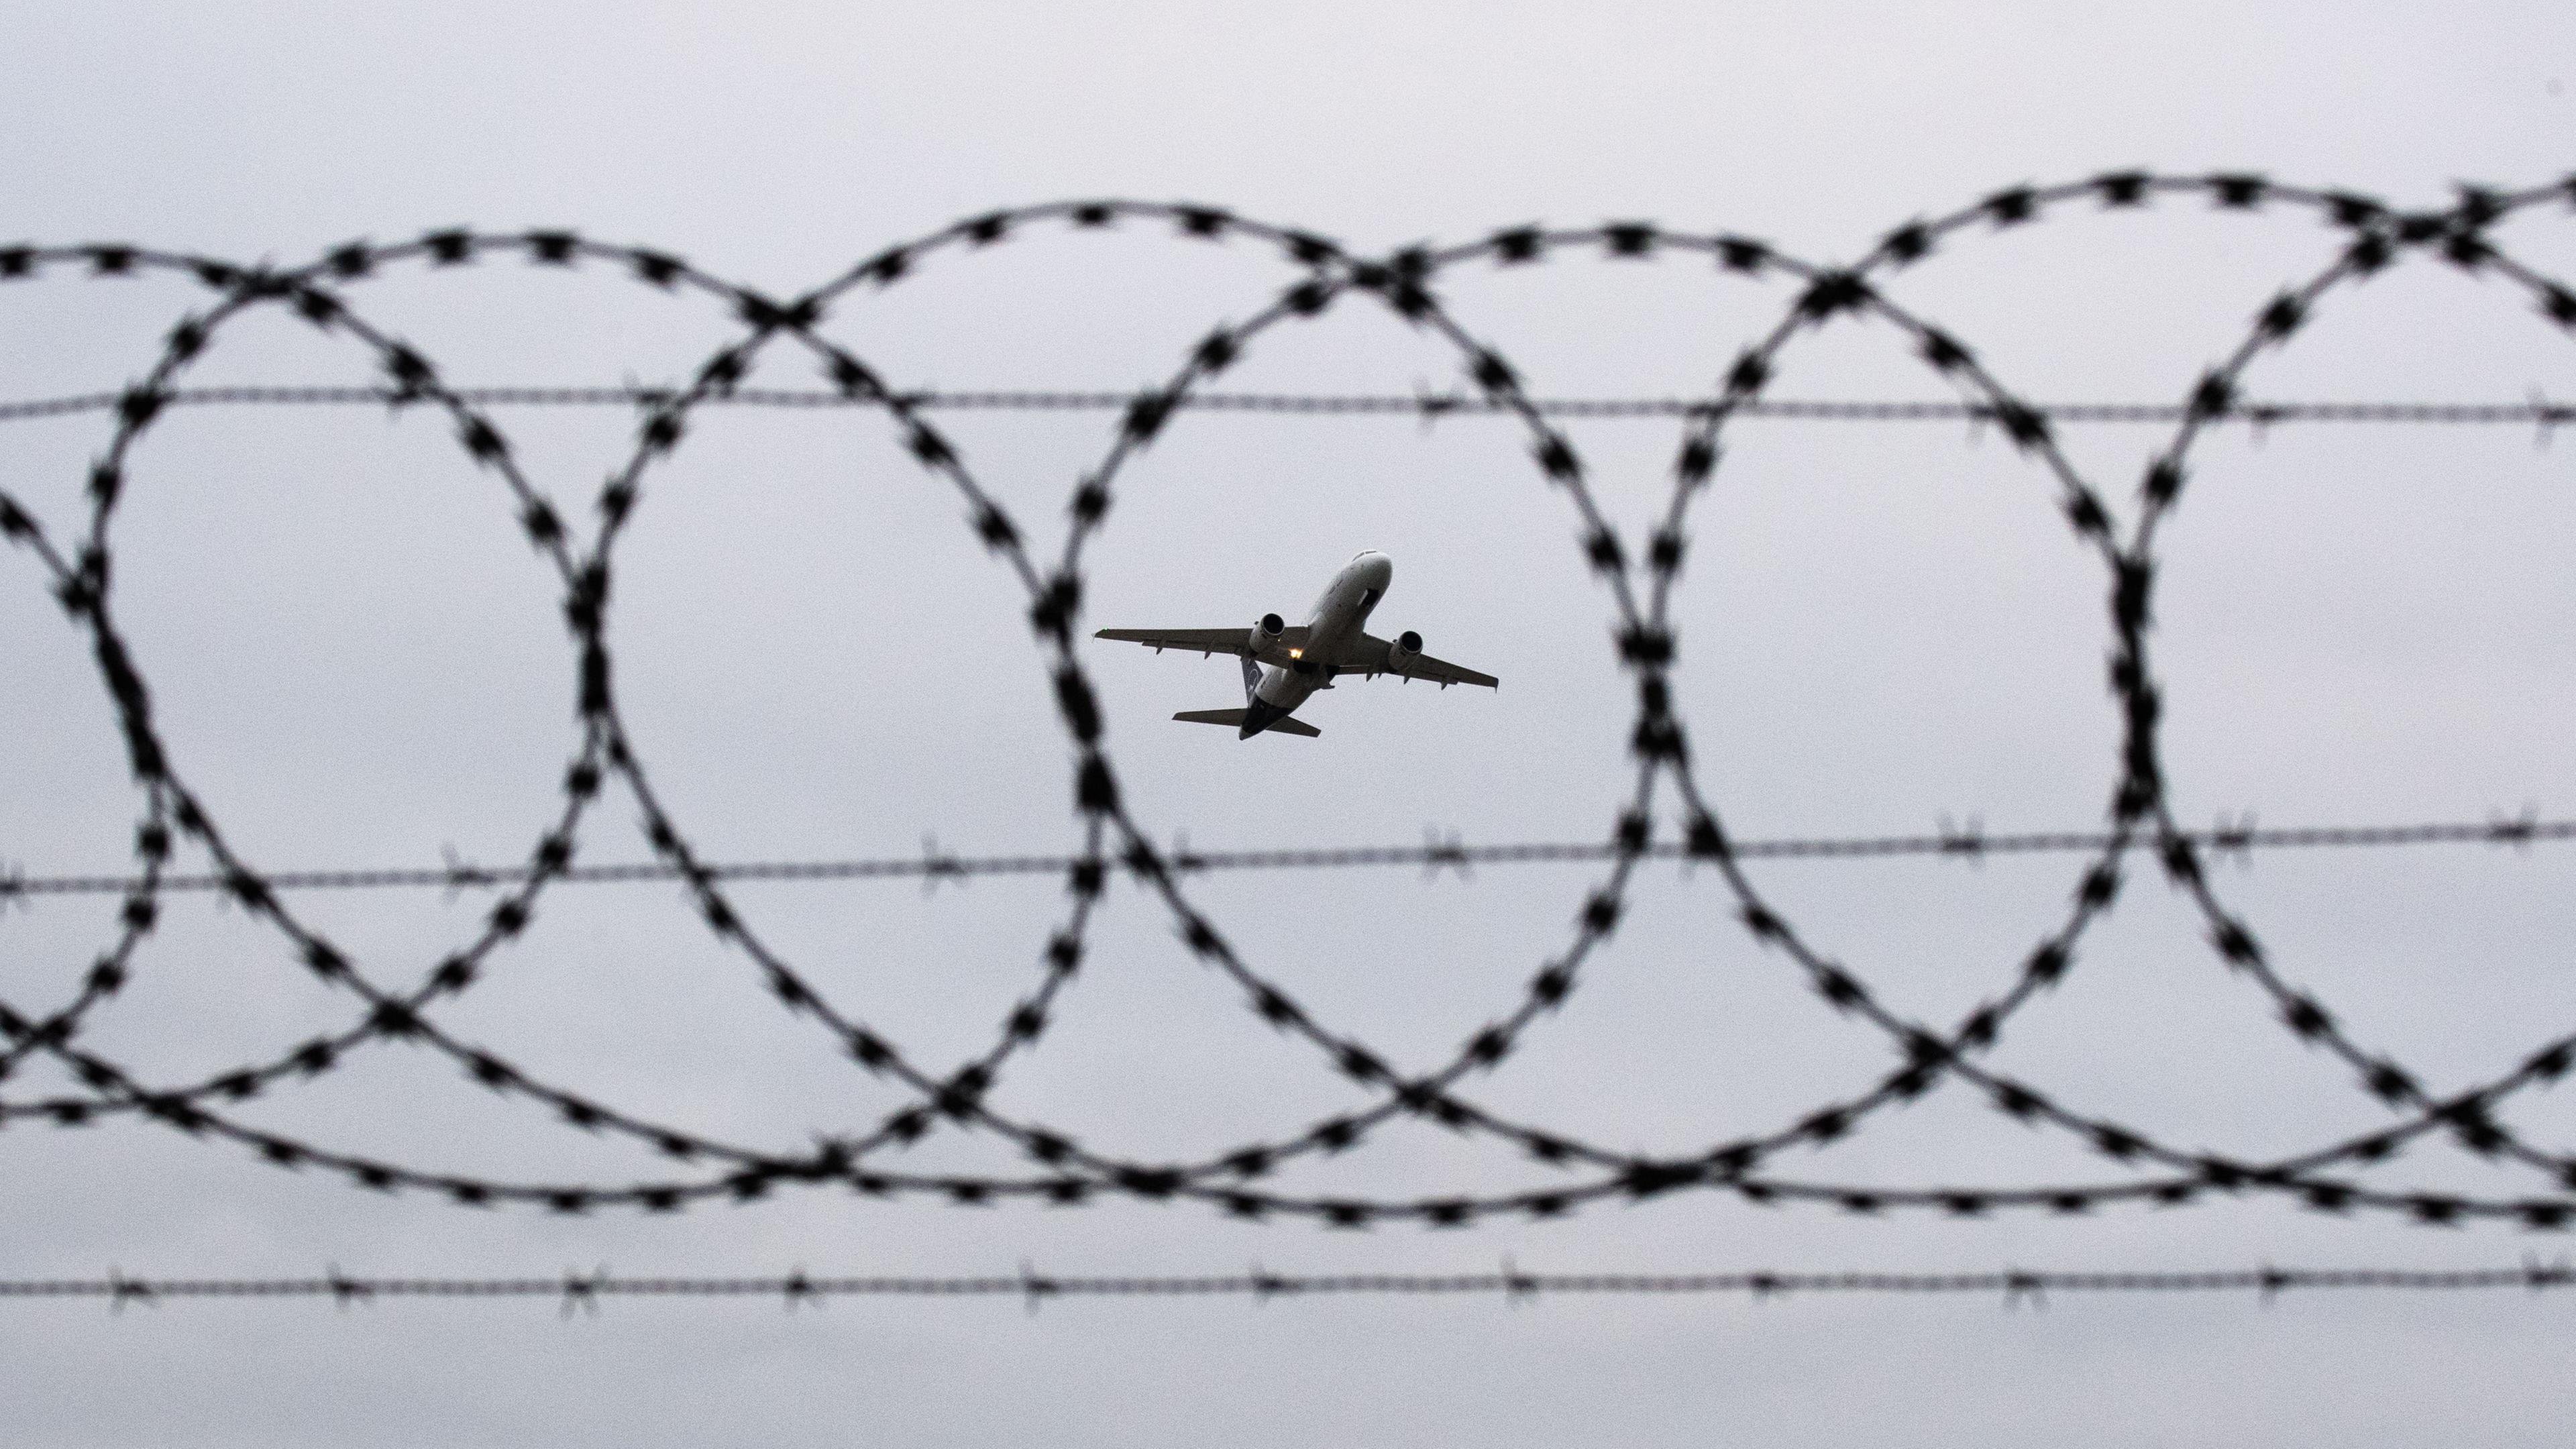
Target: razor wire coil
(1638,575)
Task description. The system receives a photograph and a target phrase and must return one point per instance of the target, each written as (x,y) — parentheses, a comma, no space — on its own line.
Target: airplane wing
(1236,641)
(1369,655)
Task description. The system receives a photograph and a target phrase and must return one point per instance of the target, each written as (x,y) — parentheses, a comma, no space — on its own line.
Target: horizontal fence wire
(2016,1286)
(2541,413)
(933,866)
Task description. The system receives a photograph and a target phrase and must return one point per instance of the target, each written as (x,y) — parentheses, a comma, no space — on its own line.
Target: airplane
(1284,664)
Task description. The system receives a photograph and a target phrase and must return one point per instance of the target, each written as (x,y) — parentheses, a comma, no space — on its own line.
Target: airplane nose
(1379,570)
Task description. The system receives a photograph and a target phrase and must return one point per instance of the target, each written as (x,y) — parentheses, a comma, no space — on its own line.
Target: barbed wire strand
(2542,413)
(1436,854)
(2017,1287)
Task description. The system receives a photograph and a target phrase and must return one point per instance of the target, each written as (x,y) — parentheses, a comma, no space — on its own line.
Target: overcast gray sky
(356,659)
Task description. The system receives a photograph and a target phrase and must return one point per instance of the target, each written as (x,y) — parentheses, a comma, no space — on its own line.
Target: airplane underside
(1304,658)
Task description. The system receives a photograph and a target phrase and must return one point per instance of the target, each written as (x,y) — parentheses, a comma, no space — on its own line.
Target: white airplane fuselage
(1339,618)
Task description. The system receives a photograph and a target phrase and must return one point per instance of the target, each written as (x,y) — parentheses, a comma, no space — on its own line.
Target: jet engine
(1266,631)
(1402,651)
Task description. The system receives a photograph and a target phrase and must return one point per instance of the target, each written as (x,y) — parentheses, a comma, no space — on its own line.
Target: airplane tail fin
(1284,725)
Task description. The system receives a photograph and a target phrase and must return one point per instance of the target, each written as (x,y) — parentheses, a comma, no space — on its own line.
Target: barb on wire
(1968,842)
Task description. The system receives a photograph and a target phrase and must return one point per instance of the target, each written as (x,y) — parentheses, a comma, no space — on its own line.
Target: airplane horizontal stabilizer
(1284,725)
